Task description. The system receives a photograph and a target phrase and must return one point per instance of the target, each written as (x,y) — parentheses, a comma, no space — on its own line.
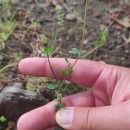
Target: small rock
(70,17)
(85,42)
(15,101)
(102,27)
(122,58)
(97,14)
(127,51)
(75,3)
(106,56)
(18,85)
(55,2)
(67,38)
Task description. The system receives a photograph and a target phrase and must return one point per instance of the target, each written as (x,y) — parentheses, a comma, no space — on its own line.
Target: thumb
(101,118)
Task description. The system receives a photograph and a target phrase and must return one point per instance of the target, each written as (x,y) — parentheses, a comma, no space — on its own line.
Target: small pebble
(102,27)
(85,42)
(127,51)
(75,3)
(70,17)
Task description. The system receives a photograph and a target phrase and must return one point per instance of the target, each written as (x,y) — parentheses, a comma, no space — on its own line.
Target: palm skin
(105,107)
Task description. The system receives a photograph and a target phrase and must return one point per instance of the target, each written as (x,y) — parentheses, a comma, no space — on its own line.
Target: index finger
(85,72)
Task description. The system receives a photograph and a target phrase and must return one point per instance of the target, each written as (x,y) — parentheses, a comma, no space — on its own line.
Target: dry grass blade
(40,5)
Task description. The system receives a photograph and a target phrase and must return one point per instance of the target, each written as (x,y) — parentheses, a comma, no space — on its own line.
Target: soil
(25,41)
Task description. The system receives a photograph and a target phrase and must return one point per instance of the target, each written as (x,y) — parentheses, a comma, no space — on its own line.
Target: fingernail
(64,117)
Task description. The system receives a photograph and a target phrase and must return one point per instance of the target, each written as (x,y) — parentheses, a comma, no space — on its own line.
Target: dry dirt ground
(40,24)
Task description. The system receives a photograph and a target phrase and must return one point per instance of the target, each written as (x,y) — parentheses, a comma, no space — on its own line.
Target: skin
(105,107)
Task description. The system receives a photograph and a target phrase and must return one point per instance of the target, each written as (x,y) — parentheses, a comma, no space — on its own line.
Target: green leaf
(7,28)
(126,21)
(104,36)
(59,97)
(58,128)
(98,44)
(43,39)
(48,50)
(75,52)
(52,86)
(35,25)
(58,9)
(81,54)
(30,87)
(59,106)
(70,70)
(103,39)
(60,82)
(67,72)
(64,88)
(64,72)
(3,119)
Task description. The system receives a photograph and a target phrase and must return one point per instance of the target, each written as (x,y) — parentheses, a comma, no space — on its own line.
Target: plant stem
(90,52)
(40,6)
(51,67)
(84,26)
(87,54)
(60,86)
(83,36)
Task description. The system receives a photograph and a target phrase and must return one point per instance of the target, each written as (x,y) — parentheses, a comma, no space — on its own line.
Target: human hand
(105,107)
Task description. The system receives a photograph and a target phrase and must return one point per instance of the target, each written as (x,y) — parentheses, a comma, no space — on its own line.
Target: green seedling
(58,128)
(77,53)
(59,15)
(48,50)
(3,119)
(4,4)
(59,86)
(103,39)
(53,86)
(49,44)
(35,25)
(7,28)
(59,106)
(17,56)
(31,87)
(2,70)
(43,39)
(67,72)
(126,21)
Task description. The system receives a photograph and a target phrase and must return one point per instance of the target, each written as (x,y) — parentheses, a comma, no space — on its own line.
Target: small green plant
(34,84)
(3,69)
(49,44)
(59,86)
(103,39)
(126,21)
(17,56)
(3,119)
(35,25)
(31,87)
(4,4)
(59,15)
(43,39)
(5,9)
(7,28)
